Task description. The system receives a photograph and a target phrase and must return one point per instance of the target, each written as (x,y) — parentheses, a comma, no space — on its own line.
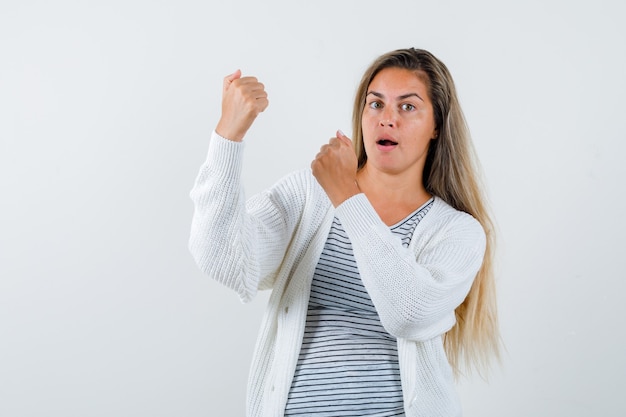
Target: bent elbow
(225,270)
(418,328)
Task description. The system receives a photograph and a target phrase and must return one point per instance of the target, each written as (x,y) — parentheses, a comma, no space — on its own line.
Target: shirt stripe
(348,363)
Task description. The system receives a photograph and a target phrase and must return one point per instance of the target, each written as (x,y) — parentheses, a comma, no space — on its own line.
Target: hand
(242,101)
(335,167)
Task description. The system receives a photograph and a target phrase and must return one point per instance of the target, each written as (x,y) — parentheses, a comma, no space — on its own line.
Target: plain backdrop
(105,114)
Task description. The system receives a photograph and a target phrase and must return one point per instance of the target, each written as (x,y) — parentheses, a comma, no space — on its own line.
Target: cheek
(366,129)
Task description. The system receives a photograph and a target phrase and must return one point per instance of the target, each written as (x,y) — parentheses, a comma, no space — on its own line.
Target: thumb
(230,78)
(344,138)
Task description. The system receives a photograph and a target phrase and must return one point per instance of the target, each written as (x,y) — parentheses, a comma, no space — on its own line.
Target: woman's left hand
(335,168)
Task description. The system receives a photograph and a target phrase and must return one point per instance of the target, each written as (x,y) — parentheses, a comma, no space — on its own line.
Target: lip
(386,144)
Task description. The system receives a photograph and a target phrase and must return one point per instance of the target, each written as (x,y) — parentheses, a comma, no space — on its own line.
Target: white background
(105,114)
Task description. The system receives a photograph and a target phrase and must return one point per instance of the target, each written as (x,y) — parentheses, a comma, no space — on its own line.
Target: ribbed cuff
(357,216)
(225,156)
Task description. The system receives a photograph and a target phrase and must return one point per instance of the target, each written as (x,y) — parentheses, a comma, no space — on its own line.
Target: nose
(387,117)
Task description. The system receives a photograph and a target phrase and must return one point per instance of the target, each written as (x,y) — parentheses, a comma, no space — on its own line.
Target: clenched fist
(335,168)
(243,98)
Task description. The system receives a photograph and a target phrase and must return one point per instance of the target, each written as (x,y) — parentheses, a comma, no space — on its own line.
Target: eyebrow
(402,97)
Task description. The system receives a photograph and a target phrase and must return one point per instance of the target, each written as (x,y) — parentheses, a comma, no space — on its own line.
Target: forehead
(399,80)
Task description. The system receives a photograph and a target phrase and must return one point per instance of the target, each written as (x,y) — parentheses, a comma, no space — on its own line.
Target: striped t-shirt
(348,363)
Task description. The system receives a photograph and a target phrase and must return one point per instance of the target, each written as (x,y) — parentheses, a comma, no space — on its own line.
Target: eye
(407,107)
(375,105)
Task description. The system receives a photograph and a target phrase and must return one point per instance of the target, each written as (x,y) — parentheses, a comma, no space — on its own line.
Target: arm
(238,246)
(415,295)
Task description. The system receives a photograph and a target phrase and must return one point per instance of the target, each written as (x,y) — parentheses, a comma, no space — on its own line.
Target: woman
(378,257)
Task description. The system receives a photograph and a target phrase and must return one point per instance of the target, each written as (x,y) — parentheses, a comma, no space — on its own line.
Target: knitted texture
(274,240)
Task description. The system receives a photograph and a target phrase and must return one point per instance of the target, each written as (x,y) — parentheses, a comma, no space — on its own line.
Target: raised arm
(238,244)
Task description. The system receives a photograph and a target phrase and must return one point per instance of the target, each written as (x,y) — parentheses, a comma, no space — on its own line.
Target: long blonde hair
(450,173)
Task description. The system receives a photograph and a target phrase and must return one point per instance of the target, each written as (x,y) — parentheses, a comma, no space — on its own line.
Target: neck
(393,196)
(396,187)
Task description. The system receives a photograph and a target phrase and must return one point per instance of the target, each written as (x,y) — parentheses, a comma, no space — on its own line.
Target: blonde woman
(379,257)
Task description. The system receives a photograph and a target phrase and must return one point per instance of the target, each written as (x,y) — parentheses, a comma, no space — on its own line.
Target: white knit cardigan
(274,240)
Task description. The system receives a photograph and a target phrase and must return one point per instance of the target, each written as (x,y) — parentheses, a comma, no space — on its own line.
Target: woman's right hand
(243,98)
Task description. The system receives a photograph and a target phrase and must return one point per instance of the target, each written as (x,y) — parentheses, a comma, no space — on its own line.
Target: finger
(262,103)
(323,150)
(258,91)
(230,78)
(251,87)
(343,138)
(340,142)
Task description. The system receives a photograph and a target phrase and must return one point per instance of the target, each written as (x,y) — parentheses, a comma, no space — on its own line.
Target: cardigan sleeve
(415,290)
(239,243)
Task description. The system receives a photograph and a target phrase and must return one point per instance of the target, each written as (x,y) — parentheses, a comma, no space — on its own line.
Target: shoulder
(446,220)
(302,182)
(449,235)
(294,191)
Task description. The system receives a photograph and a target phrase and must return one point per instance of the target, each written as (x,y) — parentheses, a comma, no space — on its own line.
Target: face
(398,122)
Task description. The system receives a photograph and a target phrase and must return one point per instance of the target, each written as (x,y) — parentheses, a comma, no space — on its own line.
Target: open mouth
(386,142)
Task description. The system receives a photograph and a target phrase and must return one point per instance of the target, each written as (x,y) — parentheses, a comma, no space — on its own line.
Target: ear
(435,134)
